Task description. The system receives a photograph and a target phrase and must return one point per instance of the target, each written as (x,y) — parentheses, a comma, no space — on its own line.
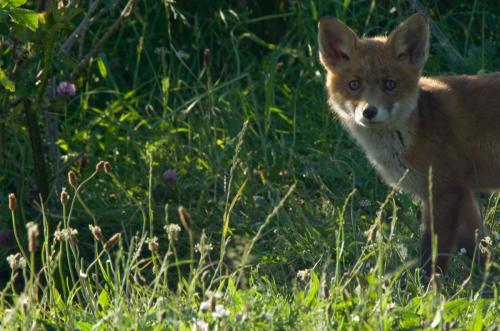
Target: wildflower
(112,241)
(96,232)
(73,181)
(66,88)
(185,219)
(204,306)
(220,312)
(68,234)
(12,202)
(152,244)
(172,231)
(83,274)
(302,274)
(487,241)
(14,261)
(203,247)
(462,251)
(170,176)
(33,234)
(200,325)
(283,173)
(64,196)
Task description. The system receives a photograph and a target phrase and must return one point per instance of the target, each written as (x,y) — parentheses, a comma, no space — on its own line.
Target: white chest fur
(386,150)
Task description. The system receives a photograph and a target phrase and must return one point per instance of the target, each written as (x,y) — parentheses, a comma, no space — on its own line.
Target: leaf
(83,326)
(477,323)
(102,67)
(24,17)
(103,299)
(12,3)
(6,82)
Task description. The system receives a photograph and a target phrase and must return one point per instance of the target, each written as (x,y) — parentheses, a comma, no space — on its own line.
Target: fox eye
(389,84)
(354,84)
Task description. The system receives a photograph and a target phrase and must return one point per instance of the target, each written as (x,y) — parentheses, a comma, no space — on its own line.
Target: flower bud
(12,202)
(73,181)
(185,219)
(112,241)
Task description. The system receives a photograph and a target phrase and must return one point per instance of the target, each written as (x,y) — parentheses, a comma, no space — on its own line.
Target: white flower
(220,312)
(204,306)
(463,251)
(268,316)
(355,318)
(206,247)
(302,274)
(172,231)
(200,325)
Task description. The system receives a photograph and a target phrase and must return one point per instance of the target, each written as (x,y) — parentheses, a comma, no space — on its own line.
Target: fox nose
(370,112)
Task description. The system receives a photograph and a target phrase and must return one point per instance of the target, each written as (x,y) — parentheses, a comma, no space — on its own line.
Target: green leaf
(6,82)
(477,323)
(12,3)
(84,326)
(102,67)
(24,17)
(103,299)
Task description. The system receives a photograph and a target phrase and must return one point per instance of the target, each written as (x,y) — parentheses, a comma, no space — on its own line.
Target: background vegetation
(219,107)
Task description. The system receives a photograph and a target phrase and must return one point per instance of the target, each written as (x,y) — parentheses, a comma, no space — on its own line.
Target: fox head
(373,82)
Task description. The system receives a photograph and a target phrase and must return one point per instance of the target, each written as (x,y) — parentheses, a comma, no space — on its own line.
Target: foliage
(218,107)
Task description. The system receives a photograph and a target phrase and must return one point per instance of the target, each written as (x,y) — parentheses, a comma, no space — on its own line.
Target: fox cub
(409,125)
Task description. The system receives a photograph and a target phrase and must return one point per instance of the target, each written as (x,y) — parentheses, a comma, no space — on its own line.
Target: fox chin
(414,129)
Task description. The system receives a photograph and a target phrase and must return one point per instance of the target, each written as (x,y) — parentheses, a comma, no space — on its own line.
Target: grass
(285,224)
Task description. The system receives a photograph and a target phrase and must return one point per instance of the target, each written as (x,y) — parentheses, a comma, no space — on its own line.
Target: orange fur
(403,121)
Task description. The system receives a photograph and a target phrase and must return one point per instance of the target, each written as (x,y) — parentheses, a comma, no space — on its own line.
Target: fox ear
(336,42)
(410,40)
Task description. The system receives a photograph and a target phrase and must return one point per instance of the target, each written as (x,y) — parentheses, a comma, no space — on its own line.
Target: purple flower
(66,88)
(170,176)
(6,237)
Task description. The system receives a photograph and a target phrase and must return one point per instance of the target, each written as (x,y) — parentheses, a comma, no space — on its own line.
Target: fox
(436,138)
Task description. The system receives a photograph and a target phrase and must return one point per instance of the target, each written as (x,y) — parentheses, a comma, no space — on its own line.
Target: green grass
(293,228)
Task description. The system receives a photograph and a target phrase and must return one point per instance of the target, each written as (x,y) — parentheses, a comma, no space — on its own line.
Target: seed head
(64,196)
(172,231)
(12,202)
(99,166)
(33,234)
(73,181)
(185,219)
(107,167)
(112,241)
(15,261)
(153,244)
(96,232)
